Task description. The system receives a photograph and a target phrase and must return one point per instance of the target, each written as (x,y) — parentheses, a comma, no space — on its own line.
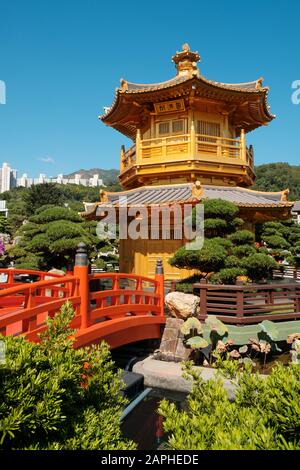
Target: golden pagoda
(189,144)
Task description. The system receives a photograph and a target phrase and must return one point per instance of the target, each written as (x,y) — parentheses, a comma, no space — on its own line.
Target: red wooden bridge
(118,308)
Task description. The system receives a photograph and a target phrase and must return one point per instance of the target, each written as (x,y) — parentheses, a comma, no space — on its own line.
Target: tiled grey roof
(130,87)
(182,193)
(296,207)
(138,87)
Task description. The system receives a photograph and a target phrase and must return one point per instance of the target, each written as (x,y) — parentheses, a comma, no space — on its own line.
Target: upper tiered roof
(246,102)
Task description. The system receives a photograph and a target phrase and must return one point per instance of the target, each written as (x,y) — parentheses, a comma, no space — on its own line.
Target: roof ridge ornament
(259,83)
(197,190)
(285,195)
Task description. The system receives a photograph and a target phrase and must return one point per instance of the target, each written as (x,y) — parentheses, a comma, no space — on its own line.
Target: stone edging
(168,375)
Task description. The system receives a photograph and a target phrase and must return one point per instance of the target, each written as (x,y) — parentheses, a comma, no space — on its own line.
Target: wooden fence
(242,305)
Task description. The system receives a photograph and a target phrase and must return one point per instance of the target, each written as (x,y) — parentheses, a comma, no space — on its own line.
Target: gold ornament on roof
(285,195)
(103,196)
(186,47)
(197,190)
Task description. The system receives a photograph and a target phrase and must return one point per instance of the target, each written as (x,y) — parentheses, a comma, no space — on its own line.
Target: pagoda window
(178,126)
(212,129)
(171,127)
(164,128)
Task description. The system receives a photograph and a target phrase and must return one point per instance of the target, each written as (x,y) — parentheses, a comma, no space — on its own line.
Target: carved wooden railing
(192,145)
(249,304)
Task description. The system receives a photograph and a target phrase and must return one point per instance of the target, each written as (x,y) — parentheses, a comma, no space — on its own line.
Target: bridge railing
(109,298)
(136,295)
(12,276)
(26,306)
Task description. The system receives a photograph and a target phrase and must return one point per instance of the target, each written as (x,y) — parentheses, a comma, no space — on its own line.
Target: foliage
(259,266)
(242,237)
(265,414)
(186,285)
(226,249)
(282,239)
(41,194)
(5,225)
(53,396)
(50,238)
(21,202)
(277,177)
(228,275)
(210,258)
(275,241)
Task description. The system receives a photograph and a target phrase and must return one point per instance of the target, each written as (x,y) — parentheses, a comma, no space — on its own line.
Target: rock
(48,292)
(60,272)
(182,305)
(171,346)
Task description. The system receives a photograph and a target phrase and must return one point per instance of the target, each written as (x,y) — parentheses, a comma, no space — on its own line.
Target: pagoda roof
(247,101)
(183,194)
(296,207)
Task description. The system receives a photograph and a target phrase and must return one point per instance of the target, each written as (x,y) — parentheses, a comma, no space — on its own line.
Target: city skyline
(10,180)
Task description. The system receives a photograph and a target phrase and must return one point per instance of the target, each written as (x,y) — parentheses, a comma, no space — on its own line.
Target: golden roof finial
(186,61)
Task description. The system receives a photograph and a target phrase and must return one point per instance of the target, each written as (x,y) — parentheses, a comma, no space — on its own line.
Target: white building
(8,178)
(296,211)
(3,208)
(92,182)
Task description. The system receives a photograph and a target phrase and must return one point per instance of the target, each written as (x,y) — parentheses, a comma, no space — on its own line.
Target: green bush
(227,275)
(210,258)
(259,266)
(218,208)
(55,213)
(264,416)
(276,241)
(242,237)
(53,396)
(186,285)
(242,251)
(52,235)
(233,262)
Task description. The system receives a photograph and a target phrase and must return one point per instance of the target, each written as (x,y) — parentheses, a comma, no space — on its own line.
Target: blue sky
(61,61)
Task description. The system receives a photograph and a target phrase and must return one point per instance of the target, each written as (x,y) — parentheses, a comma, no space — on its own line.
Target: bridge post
(81,271)
(159,277)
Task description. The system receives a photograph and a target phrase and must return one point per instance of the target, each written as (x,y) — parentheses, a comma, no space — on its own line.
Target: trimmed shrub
(259,266)
(227,275)
(55,397)
(264,416)
(242,237)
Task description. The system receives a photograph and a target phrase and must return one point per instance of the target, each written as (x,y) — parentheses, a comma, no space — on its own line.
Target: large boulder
(182,305)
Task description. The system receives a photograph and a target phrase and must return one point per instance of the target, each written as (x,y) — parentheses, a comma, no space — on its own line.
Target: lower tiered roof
(185,193)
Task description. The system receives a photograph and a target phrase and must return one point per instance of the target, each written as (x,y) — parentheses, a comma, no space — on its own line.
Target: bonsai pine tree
(50,237)
(226,249)
(282,239)
(55,397)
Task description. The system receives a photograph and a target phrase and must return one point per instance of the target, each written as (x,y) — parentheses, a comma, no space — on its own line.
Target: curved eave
(131,97)
(162,195)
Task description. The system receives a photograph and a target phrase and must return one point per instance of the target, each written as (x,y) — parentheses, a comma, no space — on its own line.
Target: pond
(144,425)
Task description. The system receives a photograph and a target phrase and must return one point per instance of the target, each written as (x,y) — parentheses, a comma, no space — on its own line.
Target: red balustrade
(120,308)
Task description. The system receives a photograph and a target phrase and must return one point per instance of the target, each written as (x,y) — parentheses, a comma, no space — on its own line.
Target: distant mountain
(269,177)
(108,176)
